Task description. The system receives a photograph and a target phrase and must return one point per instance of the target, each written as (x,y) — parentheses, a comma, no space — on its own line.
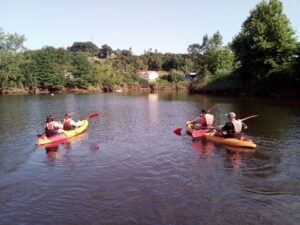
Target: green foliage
(173,76)
(11,59)
(265,42)
(213,59)
(105,51)
(153,60)
(45,68)
(10,65)
(143,83)
(87,47)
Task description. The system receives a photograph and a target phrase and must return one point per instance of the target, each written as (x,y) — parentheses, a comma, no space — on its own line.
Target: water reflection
(58,149)
(204,147)
(54,152)
(153,108)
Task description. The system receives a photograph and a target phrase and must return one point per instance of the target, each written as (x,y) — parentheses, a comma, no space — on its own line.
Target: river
(130,168)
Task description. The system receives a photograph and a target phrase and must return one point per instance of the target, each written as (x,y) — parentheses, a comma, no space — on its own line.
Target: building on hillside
(190,76)
(149,75)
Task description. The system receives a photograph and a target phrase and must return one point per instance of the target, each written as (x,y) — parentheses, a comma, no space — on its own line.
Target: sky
(163,25)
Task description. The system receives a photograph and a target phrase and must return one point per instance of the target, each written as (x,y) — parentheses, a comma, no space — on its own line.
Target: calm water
(130,168)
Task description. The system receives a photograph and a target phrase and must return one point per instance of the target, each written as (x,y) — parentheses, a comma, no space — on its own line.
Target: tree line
(264,57)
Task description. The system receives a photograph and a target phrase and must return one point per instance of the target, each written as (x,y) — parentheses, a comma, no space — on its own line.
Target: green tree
(266,41)
(11,59)
(174,76)
(105,51)
(82,71)
(214,59)
(194,51)
(44,68)
(87,47)
(173,61)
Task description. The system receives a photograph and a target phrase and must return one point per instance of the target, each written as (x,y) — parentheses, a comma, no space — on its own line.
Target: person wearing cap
(52,127)
(68,123)
(204,121)
(232,128)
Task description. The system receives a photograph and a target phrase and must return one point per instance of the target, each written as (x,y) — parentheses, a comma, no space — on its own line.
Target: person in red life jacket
(52,127)
(68,123)
(204,121)
(232,128)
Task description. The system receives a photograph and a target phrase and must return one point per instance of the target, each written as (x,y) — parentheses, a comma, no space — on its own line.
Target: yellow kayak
(64,135)
(189,128)
(235,142)
(195,133)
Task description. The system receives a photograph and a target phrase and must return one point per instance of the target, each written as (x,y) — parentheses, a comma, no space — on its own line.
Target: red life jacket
(206,120)
(50,126)
(67,124)
(202,121)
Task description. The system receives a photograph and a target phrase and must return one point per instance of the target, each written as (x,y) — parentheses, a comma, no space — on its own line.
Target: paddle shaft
(212,108)
(249,117)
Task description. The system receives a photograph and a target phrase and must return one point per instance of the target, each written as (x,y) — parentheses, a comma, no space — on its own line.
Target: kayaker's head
(68,115)
(203,111)
(231,115)
(50,118)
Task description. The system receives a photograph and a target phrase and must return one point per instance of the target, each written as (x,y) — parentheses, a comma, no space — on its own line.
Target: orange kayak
(233,142)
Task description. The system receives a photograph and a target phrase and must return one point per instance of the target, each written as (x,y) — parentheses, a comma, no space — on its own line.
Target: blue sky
(165,25)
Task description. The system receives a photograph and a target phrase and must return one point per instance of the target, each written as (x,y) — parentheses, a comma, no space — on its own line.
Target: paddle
(88,117)
(249,117)
(246,118)
(91,116)
(200,133)
(178,130)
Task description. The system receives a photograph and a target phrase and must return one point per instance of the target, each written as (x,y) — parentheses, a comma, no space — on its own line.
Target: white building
(149,75)
(190,76)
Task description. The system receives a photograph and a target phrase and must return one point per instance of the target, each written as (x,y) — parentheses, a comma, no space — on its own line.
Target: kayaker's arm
(194,120)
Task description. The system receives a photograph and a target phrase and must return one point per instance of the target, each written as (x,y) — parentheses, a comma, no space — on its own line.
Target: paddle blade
(177,131)
(198,133)
(93,115)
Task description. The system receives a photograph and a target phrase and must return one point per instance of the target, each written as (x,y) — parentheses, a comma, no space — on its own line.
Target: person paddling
(52,127)
(232,128)
(204,121)
(69,123)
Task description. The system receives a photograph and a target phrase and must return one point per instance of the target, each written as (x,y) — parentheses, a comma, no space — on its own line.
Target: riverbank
(233,86)
(22,91)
